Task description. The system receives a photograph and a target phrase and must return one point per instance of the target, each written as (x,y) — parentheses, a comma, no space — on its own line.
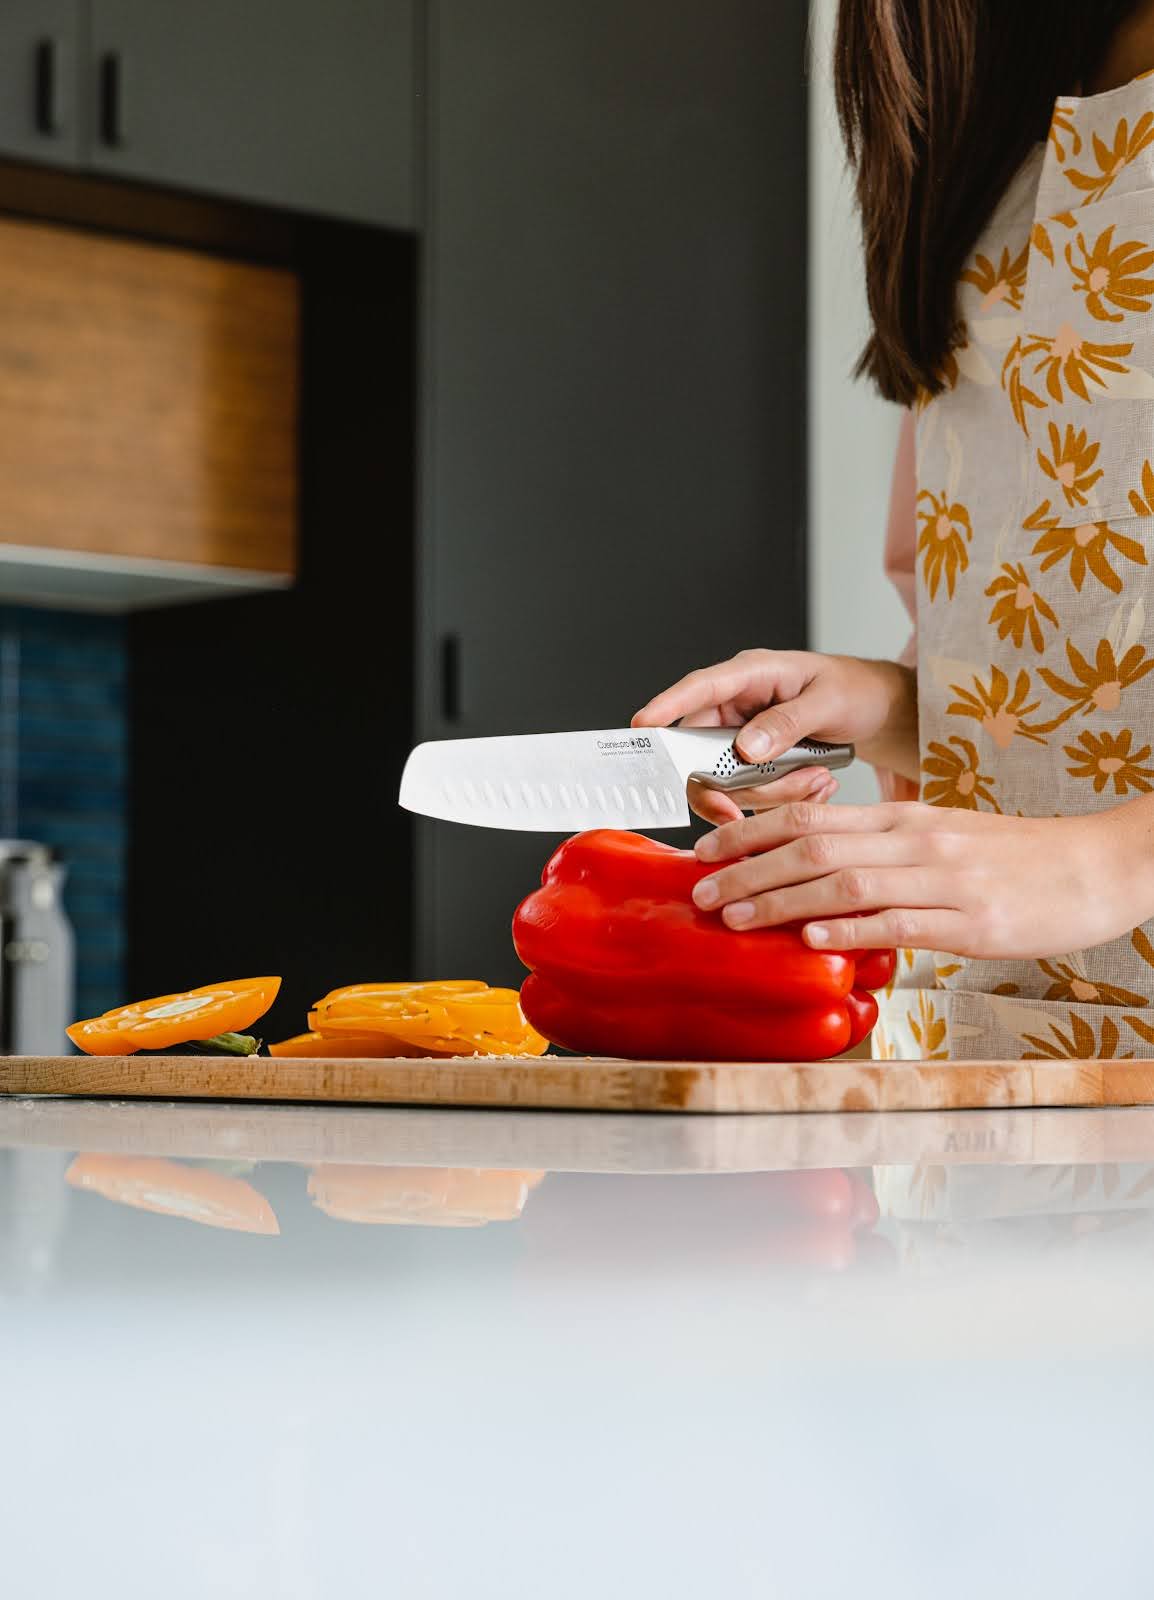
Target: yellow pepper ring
(461,1017)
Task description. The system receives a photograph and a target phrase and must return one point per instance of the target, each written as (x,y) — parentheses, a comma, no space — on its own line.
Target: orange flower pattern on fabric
(1020,393)
(1108,758)
(929,1029)
(946,531)
(1143,1028)
(1001,714)
(1071,463)
(1018,608)
(882,1047)
(1068,358)
(1085,547)
(1069,984)
(1143,504)
(1005,282)
(905,962)
(1128,145)
(1078,1044)
(954,779)
(1098,687)
(1142,946)
(1034,526)
(1062,128)
(1111,275)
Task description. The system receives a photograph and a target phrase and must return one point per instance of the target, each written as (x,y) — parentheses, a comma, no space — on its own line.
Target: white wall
(852,432)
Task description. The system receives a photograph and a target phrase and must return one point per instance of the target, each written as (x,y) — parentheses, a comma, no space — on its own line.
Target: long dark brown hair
(940,102)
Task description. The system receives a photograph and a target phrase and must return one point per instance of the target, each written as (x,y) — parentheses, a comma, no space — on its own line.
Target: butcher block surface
(567,1083)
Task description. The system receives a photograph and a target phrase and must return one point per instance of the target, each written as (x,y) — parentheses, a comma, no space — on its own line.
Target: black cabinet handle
(48,90)
(451,677)
(112,73)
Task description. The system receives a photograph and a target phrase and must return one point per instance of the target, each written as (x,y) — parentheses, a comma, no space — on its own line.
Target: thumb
(774,731)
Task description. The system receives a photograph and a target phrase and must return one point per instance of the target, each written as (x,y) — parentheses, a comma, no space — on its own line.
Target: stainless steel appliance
(37,957)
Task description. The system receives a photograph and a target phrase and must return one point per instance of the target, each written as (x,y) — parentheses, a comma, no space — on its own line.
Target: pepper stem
(224,1044)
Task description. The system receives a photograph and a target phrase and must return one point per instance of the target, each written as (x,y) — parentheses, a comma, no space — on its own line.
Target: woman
(1004,157)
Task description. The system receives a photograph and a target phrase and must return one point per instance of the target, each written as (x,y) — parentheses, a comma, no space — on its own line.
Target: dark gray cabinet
(39,63)
(614,383)
(302,104)
(299,103)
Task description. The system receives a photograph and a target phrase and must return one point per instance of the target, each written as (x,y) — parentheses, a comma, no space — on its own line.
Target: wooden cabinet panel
(148,402)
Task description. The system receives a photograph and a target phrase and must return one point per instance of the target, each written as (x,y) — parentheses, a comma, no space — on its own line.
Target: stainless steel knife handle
(730,772)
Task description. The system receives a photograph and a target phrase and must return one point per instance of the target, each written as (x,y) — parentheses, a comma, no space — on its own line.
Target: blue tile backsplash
(64,773)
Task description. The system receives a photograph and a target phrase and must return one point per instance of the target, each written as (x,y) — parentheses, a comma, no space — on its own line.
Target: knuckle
(944,847)
(901,928)
(801,816)
(745,841)
(819,850)
(854,886)
(744,836)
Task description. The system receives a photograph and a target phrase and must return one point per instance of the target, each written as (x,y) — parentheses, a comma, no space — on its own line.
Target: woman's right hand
(776,697)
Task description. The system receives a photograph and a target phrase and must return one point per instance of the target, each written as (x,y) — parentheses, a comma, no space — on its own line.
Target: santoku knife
(613,778)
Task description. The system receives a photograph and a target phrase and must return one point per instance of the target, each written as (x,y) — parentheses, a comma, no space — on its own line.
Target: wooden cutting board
(567,1083)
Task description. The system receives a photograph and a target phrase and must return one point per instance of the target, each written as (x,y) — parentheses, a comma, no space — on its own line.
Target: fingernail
(706,894)
(706,847)
(743,911)
(816,934)
(755,745)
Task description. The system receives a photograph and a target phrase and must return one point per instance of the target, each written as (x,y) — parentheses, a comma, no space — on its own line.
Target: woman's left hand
(923,877)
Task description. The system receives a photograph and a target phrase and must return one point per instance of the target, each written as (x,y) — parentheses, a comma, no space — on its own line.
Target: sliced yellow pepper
(443,1018)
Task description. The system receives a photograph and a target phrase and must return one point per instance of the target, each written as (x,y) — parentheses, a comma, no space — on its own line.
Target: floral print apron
(1035,514)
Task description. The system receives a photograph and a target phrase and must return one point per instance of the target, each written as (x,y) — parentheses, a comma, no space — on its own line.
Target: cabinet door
(38,80)
(189,457)
(305,104)
(613,437)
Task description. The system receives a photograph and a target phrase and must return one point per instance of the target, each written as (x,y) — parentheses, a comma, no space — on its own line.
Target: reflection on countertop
(826,1191)
(342,1335)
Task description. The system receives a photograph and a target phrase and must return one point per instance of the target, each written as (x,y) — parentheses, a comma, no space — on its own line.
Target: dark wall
(63,774)
(268,732)
(614,417)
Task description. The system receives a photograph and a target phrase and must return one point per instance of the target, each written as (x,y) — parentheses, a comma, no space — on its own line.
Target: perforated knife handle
(731,773)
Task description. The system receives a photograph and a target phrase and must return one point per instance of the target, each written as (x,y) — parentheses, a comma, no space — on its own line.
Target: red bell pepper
(623,963)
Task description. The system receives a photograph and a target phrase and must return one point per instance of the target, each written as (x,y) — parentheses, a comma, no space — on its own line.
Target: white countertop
(682,1370)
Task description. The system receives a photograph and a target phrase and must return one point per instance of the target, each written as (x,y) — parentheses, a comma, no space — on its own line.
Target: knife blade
(606,778)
